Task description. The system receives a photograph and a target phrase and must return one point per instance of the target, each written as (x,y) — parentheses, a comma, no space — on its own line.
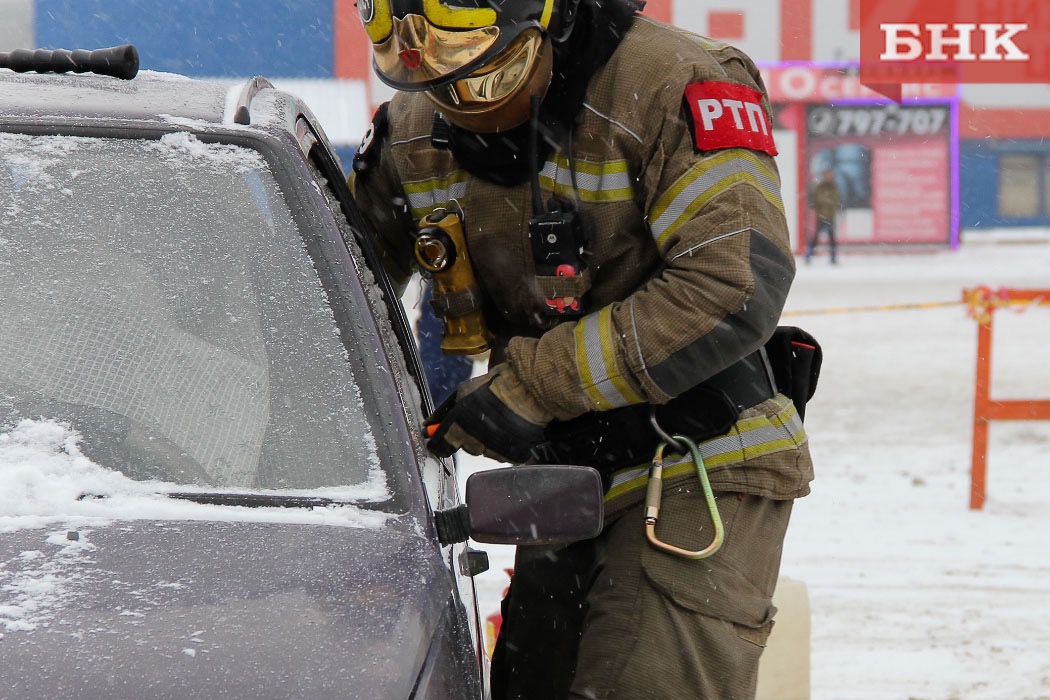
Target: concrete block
(783,672)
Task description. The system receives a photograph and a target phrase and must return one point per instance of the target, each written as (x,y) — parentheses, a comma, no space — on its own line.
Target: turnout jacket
(688,253)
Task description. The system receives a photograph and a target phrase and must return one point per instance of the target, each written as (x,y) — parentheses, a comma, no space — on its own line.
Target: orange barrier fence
(983,303)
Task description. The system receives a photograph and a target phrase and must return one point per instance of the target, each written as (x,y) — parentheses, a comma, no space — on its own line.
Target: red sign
(909,182)
(805,83)
(727,115)
(958,41)
(892,164)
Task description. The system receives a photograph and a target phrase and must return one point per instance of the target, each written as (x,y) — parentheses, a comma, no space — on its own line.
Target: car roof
(148,98)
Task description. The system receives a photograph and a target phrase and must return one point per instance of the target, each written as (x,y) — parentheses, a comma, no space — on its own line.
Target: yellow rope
(982,301)
(880,307)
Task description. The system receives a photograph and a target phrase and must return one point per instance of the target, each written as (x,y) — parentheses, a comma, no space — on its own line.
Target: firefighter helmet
(478,61)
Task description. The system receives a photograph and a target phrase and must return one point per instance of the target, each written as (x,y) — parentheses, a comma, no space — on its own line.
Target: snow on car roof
(150,96)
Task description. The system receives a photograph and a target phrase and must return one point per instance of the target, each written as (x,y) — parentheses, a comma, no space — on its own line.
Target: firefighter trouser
(614,618)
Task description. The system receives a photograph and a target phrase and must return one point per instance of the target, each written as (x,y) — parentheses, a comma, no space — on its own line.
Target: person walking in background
(826,202)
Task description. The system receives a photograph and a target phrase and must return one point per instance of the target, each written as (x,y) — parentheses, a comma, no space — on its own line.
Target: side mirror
(535,504)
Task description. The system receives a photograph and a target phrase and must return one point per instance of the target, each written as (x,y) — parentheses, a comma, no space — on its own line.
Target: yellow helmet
(479,61)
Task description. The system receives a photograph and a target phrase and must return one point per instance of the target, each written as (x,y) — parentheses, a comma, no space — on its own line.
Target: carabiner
(654,493)
(662,434)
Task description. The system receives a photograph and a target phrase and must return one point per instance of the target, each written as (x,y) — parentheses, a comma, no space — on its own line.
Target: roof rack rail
(242,108)
(117,61)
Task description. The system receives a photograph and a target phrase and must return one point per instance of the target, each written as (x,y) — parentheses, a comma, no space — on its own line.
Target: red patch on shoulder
(727,115)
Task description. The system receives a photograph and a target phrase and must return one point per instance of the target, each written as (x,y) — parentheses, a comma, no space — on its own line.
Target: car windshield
(156,296)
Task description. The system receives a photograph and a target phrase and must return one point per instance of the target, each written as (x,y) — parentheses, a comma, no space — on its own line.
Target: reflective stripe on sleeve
(596,361)
(748,439)
(425,195)
(596,182)
(707,179)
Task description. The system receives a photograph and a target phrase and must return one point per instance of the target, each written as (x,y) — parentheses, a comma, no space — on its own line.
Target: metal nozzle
(434,250)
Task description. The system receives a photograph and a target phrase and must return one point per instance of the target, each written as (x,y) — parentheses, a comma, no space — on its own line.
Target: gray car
(213,482)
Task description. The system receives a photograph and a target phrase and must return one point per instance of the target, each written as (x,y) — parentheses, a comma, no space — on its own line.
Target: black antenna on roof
(118,61)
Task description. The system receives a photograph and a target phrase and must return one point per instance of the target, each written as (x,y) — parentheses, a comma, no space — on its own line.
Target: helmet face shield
(417,54)
(421,44)
(496,97)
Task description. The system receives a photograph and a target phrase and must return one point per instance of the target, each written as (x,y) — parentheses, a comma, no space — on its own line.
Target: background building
(998,158)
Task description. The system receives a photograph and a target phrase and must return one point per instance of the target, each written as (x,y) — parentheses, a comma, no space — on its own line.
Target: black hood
(211,610)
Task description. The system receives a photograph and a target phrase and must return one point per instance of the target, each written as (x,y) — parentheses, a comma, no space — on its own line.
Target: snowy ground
(914,596)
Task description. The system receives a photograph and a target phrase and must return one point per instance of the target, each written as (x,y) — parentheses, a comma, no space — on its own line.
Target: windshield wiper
(257,500)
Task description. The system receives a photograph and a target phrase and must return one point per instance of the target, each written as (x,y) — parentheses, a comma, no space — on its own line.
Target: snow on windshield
(158,297)
(45,479)
(176,146)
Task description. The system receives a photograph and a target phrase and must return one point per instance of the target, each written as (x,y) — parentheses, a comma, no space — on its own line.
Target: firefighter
(621,205)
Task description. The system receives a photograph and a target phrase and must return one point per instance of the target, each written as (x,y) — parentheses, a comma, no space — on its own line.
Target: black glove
(795,357)
(625,437)
(493,415)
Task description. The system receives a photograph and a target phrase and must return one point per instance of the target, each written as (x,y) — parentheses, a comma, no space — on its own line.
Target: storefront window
(1046,186)
(1019,185)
